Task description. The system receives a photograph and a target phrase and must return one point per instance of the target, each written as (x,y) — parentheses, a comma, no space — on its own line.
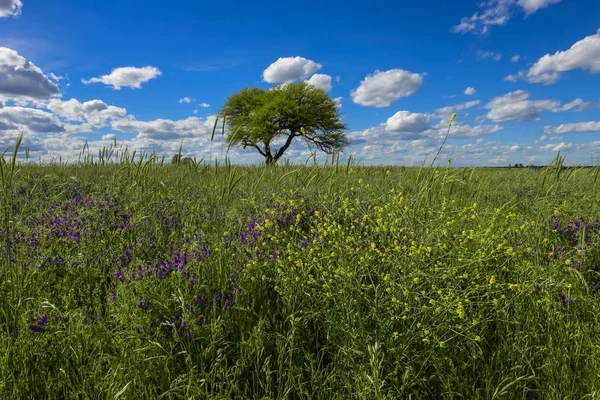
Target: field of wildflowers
(138,280)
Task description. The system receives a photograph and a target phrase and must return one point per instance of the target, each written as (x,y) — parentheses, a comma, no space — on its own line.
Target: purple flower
(200,320)
(563,300)
(119,275)
(113,294)
(43,320)
(143,305)
(63,319)
(184,325)
(36,329)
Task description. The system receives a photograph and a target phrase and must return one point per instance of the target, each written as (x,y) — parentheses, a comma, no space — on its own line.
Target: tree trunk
(268,156)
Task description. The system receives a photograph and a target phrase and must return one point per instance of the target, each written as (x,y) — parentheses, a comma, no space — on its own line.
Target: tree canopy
(263,119)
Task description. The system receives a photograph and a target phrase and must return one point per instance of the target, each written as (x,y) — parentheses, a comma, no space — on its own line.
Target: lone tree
(258,118)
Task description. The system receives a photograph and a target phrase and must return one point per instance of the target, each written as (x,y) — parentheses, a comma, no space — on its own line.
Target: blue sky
(522,75)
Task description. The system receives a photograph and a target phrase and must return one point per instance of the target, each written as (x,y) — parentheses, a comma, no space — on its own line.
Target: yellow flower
(453,117)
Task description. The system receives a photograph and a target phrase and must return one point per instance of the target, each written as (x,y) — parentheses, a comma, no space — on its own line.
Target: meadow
(136,279)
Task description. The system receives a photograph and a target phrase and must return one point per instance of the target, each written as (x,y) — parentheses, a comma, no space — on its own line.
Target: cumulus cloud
(515,106)
(166,129)
(380,89)
(405,121)
(93,112)
(29,120)
(577,127)
(464,131)
(584,54)
(289,69)
(562,146)
(21,79)
(131,77)
(469,91)
(186,100)
(446,112)
(338,102)
(531,6)
(109,137)
(497,12)
(321,81)
(10,8)
(515,58)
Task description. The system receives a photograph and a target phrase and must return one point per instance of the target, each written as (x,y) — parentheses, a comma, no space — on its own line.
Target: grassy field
(137,280)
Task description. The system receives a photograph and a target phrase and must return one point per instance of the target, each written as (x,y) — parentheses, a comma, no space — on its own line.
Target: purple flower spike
(43,320)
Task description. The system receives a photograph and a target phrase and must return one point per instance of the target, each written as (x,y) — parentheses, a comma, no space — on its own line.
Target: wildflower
(43,320)
(36,329)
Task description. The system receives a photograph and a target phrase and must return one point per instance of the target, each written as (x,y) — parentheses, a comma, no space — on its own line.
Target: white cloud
(109,137)
(515,106)
(556,147)
(186,100)
(497,12)
(321,81)
(166,129)
(470,91)
(489,54)
(531,6)
(577,127)
(446,112)
(380,89)
(29,120)
(10,8)
(464,131)
(131,77)
(21,79)
(338,102)
(53,76)
(289,69)
(515,58)
(584,54)
(579,103)
(204,105)
(195,111)
(93,112)
(405,121)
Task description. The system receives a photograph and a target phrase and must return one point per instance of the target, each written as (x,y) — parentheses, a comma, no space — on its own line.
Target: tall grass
(126,277)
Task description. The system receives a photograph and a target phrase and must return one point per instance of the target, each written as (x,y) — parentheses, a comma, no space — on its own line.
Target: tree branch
(247,143)
(287,144)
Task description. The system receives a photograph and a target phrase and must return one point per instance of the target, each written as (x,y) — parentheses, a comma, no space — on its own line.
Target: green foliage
(176,159)
(258,118)
(298,282)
